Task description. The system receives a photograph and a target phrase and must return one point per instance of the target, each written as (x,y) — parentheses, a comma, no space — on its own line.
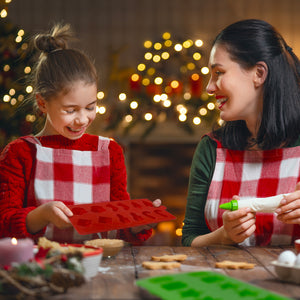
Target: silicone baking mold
(105,216)
(203,285)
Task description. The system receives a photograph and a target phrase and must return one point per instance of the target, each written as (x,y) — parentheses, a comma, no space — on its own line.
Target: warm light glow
(167,103)
(156,98)
(20,97)
(3,13)
(199,43)
(146,81)
(148,116)
(128,118)
(14,241)
(165,55)
(27,70)
(181,109)
(30,118)
(151,71)
(196,120)
(220,122)
(156,58)
(12,92)
(178,47)
(191,66)
(29,89)
(174,84)
(166,226)
(158,80)
(178,231)
(148,56)
(166,35)
(187,44)
(100,95)
(187,96)
(134,104)
(141,67)
(24,46)
(205,70)
(168,43)
(157,46)
(182,118)
(211,106)
(196,56)
(135,77)
(13,101)
(21,32)
(18,39)
(147,44)
(122,97)
(6,98)
(168,89)
(195,77)
(6,68)
(203,111)
(101,110)
(204,96)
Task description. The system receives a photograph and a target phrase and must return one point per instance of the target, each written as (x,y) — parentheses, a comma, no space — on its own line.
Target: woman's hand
(137,229)
(238,225)
(289,208)
(54,212)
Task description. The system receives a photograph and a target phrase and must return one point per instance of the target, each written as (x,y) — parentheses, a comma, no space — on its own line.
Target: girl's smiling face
(70,114)
(235,88)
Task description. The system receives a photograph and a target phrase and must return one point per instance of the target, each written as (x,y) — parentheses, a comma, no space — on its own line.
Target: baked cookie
(175,257)
(157,265)
(227,264)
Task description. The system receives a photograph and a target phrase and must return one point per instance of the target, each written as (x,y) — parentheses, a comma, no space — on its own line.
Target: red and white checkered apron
(254,174)
(73,177)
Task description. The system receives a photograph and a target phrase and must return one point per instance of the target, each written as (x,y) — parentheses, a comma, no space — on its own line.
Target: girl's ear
(41,103)
(261,72)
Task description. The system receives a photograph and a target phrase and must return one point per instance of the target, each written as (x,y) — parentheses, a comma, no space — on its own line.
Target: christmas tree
(15,65)
(166,85)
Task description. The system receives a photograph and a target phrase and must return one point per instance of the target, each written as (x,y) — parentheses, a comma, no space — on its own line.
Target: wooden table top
(116,279)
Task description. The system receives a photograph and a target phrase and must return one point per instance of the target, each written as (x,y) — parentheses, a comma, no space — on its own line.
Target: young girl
(256,153)
(61,164)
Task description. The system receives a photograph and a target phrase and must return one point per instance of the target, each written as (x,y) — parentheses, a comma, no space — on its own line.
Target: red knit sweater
(17,162)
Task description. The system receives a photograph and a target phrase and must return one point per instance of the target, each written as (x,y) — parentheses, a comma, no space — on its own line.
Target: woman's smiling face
(234,87)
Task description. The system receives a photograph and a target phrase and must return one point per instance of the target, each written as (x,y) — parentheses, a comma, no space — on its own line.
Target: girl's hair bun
(57,39)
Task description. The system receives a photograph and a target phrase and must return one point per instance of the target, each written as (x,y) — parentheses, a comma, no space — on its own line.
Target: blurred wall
(113,31)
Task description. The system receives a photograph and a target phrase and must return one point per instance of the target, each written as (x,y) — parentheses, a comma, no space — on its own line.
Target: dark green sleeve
(201,173)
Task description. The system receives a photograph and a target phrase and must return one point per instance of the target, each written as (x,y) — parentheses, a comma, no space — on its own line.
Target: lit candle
(13,250)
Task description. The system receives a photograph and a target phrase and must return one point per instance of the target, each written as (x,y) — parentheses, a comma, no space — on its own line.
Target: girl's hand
(289,208)
(238,225)
(137,229)
(54,212)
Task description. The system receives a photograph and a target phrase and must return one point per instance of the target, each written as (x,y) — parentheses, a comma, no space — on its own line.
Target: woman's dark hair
(251,41)
(58,67)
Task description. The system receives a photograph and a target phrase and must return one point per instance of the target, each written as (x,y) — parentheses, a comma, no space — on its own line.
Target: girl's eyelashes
(91,107)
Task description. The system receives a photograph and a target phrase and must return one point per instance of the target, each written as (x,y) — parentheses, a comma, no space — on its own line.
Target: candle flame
(14,241)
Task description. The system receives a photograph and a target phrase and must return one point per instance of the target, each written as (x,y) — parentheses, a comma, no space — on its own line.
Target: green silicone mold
(204,285)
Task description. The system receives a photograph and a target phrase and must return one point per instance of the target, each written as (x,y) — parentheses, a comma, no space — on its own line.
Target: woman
(256,152)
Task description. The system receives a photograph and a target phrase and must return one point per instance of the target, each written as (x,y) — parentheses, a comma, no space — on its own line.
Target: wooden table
(116,279)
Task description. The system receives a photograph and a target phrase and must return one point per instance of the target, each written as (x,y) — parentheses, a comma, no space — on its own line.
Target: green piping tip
(232,205)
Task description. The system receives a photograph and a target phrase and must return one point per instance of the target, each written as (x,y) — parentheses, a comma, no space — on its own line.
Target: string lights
(166,85)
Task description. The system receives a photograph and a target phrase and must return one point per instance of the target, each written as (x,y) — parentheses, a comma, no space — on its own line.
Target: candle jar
(13,250)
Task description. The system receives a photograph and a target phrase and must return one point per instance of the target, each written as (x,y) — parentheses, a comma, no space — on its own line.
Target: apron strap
(32,139)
